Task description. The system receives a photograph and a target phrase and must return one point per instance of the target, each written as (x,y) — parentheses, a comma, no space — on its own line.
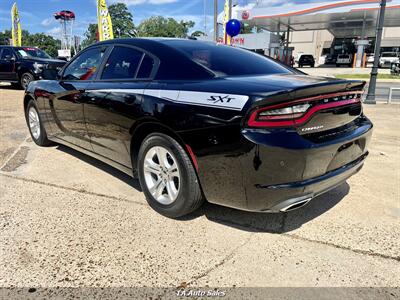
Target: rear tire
(35,125)
(25,79)
(167,177)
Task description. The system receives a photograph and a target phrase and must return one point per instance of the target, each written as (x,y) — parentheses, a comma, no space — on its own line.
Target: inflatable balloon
(233,27)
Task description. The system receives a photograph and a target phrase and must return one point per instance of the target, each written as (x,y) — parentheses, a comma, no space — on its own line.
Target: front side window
(85,65)
(6,52)
(123,63)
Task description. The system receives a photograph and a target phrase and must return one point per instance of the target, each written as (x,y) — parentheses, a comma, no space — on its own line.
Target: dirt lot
(68,220)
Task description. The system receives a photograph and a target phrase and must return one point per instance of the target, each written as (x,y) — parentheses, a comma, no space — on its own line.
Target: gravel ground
(67,220)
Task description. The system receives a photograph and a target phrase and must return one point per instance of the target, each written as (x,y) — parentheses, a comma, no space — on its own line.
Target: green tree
(90,35)
(164,27)
(5,37)
(122,21)
(40,40)
(197,33)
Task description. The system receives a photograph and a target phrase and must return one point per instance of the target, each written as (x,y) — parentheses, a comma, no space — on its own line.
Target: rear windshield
(230,61)
(306,56)
(343,56)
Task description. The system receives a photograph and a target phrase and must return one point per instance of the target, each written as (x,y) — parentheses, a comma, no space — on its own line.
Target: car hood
(50,61)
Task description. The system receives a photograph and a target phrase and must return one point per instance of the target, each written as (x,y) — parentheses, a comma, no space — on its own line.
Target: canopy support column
(374,73)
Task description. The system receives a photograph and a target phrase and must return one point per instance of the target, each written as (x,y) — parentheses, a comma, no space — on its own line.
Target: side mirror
(59,76)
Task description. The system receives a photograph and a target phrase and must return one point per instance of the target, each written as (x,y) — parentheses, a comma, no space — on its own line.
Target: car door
(67,104)
(7,64)
(115,101)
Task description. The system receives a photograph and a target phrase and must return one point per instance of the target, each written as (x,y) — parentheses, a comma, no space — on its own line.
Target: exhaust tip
(295,205)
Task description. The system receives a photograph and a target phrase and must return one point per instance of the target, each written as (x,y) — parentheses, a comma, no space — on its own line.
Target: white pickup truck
(343,59)
(388,58)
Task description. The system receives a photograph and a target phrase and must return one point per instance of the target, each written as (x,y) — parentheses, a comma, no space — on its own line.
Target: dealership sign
(255,41)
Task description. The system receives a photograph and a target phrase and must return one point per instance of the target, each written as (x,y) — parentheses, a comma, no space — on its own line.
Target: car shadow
(272,222)
(9,87)
(247,221)
(102,166)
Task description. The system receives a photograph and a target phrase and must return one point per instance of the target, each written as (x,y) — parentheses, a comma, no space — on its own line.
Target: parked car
(370,59)
(21,65)
(330,59)
(387,59)
(64,15)
(306,60)
(343,59)
(297,57)
(224,124)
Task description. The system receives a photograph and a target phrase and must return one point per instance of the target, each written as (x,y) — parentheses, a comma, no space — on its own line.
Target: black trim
(154,71)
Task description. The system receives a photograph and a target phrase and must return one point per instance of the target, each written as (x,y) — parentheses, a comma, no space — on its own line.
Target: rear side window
(146,67)
(123,63)
(84,67)
(231,61)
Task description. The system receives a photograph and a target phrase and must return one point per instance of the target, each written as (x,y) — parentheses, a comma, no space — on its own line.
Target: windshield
(32,53)
(231,61)
(344,56)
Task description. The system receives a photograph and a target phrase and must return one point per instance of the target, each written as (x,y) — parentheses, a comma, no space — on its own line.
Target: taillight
(298,112)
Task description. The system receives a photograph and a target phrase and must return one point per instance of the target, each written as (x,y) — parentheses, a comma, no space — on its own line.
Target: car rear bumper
(296,194)
(269,171)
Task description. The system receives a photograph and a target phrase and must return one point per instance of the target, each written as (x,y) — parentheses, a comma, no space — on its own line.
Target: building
(328,28)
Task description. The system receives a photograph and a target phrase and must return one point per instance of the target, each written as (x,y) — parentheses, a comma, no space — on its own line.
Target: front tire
(25,79)
(167,177)
(35,125)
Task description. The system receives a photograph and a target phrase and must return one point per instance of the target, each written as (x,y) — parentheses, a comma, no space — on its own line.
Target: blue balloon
(233,27)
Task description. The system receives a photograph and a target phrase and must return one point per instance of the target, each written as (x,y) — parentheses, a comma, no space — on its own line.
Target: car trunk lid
(309,104)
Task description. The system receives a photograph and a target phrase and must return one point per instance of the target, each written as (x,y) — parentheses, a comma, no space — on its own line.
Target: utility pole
(230,9)
(374,73)
(215,20)
(205,18)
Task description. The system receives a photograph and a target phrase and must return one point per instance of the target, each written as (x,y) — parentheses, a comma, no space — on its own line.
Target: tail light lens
(298,112)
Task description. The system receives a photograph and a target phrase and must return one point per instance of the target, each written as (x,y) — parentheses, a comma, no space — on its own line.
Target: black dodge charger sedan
(194,121)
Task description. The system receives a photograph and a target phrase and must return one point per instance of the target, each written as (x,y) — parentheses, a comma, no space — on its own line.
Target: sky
(37,15)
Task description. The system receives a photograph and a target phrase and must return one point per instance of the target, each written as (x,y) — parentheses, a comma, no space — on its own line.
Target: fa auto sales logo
(200,293)
(220,99)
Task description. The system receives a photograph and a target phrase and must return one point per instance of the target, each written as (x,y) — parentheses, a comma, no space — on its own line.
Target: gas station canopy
(356,18)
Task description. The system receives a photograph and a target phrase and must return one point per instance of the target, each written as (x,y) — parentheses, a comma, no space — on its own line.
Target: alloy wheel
(34,123)
(26,79)
(162,175)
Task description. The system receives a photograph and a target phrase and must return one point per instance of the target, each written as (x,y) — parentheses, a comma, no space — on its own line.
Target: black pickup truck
(21,65)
